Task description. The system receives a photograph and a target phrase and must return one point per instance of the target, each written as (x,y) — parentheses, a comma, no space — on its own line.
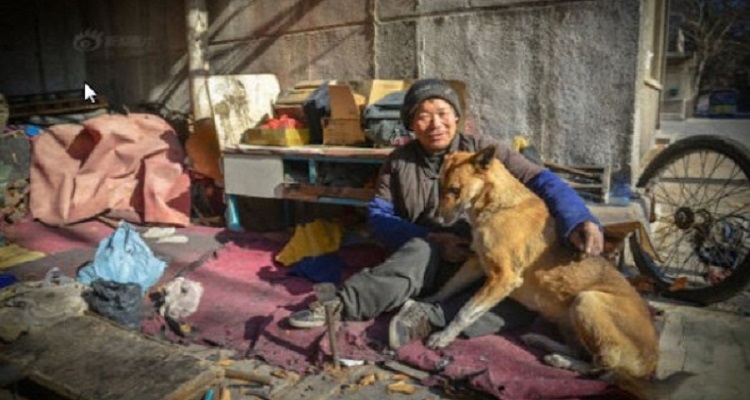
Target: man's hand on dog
(453,248)
(588,238)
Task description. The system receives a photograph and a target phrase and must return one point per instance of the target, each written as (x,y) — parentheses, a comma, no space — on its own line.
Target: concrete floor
(710,343)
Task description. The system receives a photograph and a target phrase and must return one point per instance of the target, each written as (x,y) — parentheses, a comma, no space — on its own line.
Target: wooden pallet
(92,358)
(51,103)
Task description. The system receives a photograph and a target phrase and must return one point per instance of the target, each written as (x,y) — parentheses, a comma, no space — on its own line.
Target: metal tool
(326,293)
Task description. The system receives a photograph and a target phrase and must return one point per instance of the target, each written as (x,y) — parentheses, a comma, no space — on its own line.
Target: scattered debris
(443,362)
(181,298)
(401,387)
(400,377)
(679,284)
(32,306)
(351,363)
(164,235)
(119,302)
(367,380)
(177,239)
(280,373)
(248,376)
(14,201)
(406,370)
(158,232)
(643,284)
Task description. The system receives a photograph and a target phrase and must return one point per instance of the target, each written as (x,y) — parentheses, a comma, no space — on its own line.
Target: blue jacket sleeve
(565,205)
(389,229)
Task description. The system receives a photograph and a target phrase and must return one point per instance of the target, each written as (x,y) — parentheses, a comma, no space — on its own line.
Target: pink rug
(247,298)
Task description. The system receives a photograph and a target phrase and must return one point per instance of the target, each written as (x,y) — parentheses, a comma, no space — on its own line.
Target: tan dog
(520,253)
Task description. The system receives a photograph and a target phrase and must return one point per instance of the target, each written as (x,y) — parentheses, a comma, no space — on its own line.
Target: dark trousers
(416,270)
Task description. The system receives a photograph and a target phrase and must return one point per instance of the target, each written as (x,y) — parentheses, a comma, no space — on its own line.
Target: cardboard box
(381,87)
(277,137)
(344,127)
(343,132)
(290,101)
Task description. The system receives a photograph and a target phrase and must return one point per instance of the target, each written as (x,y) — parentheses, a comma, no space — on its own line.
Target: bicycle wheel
(700,187)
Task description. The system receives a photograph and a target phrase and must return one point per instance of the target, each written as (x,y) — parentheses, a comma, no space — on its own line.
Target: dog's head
(462,179)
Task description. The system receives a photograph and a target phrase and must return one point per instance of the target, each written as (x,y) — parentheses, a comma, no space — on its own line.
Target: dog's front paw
(440,340)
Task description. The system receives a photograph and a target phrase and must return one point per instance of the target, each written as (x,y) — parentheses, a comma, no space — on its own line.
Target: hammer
(326,293)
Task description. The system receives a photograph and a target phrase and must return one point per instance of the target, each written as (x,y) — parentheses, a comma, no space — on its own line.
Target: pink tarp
(129,167)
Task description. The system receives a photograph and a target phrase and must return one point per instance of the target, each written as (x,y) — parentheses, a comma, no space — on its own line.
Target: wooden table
(259,171)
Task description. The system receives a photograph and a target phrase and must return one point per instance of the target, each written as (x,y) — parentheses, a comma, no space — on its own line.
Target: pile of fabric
(125,167)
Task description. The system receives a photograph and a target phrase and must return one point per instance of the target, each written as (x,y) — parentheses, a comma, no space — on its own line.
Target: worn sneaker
(315,315)
(410,324)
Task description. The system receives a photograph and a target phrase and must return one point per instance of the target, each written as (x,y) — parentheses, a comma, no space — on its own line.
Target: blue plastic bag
(123,257)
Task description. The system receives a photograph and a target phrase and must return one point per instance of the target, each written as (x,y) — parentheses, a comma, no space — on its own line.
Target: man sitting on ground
(403,217)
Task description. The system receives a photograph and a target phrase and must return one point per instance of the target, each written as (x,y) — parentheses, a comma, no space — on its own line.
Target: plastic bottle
(619,192)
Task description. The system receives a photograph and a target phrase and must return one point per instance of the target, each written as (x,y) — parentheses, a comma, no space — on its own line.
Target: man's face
(434,124)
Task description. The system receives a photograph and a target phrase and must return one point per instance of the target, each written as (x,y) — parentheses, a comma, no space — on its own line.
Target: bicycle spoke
(684,189)
(691,256)
(701,220)
(702,184)
(724,186)
(667,195)
(666,234)
(675,249)
(676,177)
(734,191)
(662,228)
(726,182)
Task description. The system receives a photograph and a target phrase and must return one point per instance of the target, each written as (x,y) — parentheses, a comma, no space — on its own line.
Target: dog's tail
(652,388)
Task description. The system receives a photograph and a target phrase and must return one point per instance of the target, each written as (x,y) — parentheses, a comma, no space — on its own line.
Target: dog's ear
(483,157)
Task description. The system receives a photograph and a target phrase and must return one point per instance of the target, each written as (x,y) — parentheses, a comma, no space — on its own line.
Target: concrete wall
(561,72)
(651,60)
(565,72)
(36,47)
(140,55)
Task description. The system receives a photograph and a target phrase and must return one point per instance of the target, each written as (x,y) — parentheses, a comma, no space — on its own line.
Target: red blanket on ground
(129,167)
(247,298)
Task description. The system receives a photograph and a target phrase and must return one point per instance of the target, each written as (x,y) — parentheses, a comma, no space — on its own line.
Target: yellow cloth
(310,240)
(14,254)
(520,143)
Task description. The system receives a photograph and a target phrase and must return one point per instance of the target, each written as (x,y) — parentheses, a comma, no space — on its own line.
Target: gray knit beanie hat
(424,89)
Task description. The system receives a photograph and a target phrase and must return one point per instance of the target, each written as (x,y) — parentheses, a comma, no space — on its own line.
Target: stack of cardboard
(344,127)
(290,101)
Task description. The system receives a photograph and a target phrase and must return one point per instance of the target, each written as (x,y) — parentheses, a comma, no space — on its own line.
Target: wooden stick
(247,376)
(572,170)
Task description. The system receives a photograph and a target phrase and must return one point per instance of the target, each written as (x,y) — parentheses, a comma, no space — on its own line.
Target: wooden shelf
(314,193)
